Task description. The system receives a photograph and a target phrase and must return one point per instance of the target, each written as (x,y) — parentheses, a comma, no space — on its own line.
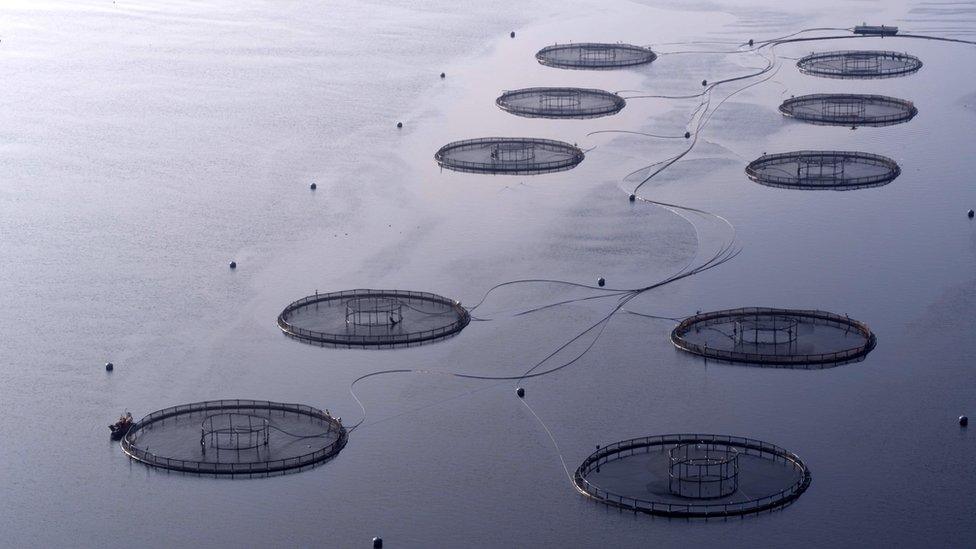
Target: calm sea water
(144,145)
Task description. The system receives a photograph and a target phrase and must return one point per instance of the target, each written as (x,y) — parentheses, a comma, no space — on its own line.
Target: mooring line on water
(725,253)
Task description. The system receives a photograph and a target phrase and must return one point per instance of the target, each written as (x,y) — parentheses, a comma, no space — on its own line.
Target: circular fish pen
(373,318)
(235,437)
(509,155)
(859,64)
(594,56)
(776,337)
(816,170)
(841,109)
(693,476)
(560,103)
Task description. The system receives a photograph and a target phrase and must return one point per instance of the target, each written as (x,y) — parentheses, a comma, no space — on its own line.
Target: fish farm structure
(693,476)
(844,109)
(823,170)
(509,156)
(859,64)
(791,338)
(235,438)
(560,103)
(594,56)
(373,319)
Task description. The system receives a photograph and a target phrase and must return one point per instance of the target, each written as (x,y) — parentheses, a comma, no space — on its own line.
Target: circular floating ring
(509,155)
(859,64)
(235,437)
(591,55)
(373,318)
(832,170)
(842,109)
(560,102)
(776,337)
(693,476)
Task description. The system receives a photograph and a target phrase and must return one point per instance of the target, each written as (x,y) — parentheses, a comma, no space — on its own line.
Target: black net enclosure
(560,102)
(693,476)
(591,55)
(823,170)
(859,64)
(847,109)
(235,438)
(777,337)
(373,318)
(509,156)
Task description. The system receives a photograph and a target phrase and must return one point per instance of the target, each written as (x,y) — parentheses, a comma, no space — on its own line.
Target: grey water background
(144,145)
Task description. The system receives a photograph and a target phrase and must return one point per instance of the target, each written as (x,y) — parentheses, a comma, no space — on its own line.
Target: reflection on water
(145,146)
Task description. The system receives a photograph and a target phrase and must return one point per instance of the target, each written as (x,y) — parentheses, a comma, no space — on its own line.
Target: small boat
(875,30)
(121,426)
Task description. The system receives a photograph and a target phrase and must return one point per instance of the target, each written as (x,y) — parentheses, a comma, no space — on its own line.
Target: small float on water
(122,426)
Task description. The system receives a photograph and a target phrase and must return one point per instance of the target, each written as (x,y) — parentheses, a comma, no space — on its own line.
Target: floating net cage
(373,318)
(235,438)
(693,476)
(816,170)
(560,102)
(775,337)
(589,55)
(838,109)
(509,155)
(859,64)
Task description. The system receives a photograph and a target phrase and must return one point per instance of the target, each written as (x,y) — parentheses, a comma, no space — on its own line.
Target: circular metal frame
(227,436)
(843,109)
(368,340)
(703,320)
(374,311)
(695,509)
(243,407)
(859,64)
(704,470)
(821,170)
(594,56)
(494,155)
(579,103)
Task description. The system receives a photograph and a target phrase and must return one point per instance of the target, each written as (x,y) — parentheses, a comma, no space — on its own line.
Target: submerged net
(779,337)
(590,55)
(509,155)
(833,170)
(693,475)
(235,437)
(859,64)
(373,318)
(560,102)
(849,109)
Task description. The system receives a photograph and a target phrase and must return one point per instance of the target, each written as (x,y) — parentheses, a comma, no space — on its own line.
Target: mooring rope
(728,251)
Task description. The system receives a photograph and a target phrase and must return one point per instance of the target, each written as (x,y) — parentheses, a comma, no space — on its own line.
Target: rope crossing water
(699,119)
